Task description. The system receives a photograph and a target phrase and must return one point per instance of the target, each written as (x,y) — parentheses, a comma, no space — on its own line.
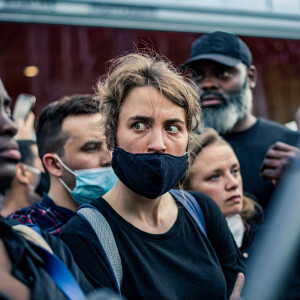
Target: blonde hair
(138,70)
(200,142)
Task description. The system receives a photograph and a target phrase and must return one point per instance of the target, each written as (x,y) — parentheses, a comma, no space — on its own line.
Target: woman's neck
(150,215)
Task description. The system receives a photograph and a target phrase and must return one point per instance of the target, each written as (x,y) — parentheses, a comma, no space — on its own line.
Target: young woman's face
(216,173)
(149,123)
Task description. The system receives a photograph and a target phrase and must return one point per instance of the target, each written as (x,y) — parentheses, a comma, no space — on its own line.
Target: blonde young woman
(215,171)
(150,112)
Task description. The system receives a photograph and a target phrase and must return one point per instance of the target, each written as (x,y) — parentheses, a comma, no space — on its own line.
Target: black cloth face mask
(43,185)
(149,174)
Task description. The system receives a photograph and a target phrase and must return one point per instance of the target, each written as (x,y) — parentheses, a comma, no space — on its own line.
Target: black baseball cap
(222,47)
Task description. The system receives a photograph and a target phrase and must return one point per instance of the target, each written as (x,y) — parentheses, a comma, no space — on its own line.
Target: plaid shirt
(45,214)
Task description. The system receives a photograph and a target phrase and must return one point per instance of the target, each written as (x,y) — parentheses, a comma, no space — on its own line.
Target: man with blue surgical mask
(72,146)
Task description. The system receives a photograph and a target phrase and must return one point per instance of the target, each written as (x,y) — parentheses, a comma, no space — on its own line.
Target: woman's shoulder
(207,204)
(212,214)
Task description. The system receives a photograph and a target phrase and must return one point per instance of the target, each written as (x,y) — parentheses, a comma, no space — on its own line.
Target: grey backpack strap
(107,241)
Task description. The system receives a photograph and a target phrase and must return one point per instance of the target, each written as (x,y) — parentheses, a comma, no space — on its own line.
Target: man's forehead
(210,64)
(77,121)
(207,62)
(80,126)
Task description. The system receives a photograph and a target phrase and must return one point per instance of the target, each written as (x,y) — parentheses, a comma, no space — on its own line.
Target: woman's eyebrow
(139,118)
(147,119)
(175,120)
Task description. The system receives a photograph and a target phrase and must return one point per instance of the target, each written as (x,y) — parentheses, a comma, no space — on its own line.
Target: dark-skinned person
(150,111)
(221,65)
(215,171)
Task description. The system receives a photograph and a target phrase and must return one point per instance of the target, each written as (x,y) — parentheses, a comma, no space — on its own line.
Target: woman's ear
(52,164)
(252,76)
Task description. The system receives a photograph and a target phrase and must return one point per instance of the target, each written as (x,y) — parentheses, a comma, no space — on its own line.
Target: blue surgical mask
(149,174)
(90,183)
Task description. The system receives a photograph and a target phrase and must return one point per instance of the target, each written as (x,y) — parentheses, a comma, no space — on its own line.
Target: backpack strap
(106,239)
(57,270)
(190,203)
(32,234)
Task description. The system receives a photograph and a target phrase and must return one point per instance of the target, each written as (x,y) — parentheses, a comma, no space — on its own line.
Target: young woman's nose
(156,141)
(231,182)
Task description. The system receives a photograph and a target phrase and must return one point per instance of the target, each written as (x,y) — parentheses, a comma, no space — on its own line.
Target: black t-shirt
(251,146)
(179,264)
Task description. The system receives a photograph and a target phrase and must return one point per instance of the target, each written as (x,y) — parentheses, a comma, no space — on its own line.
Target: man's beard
(234,108)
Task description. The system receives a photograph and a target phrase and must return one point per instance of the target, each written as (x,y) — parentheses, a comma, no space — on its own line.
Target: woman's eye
(172,129)
(235,171)
(139,126)
(213,177)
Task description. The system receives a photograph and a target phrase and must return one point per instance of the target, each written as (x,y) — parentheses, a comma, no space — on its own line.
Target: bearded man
(221,66)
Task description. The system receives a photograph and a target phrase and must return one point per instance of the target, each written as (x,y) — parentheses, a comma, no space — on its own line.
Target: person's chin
(236,208)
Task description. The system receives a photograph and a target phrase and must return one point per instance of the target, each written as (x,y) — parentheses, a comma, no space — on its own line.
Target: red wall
(71,59)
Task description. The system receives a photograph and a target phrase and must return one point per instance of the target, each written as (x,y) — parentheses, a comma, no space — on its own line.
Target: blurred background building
(53,48)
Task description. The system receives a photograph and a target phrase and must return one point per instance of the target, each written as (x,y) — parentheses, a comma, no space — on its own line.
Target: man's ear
(21,173)
(252,76)
(52,165)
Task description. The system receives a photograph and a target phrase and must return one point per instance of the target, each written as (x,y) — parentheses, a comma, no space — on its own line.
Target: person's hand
(238,287)
(276,161)
(26,128)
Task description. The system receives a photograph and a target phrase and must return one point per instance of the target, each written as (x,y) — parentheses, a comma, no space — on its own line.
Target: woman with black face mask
(165,251)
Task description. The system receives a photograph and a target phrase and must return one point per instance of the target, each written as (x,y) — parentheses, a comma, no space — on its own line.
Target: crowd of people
(152,188)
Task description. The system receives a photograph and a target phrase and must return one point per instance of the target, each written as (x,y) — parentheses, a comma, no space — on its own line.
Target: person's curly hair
(141,70)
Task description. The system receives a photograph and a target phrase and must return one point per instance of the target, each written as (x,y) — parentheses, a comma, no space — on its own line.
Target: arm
(277,160)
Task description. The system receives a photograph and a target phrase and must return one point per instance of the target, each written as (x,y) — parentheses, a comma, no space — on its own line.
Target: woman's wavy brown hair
(139,70)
